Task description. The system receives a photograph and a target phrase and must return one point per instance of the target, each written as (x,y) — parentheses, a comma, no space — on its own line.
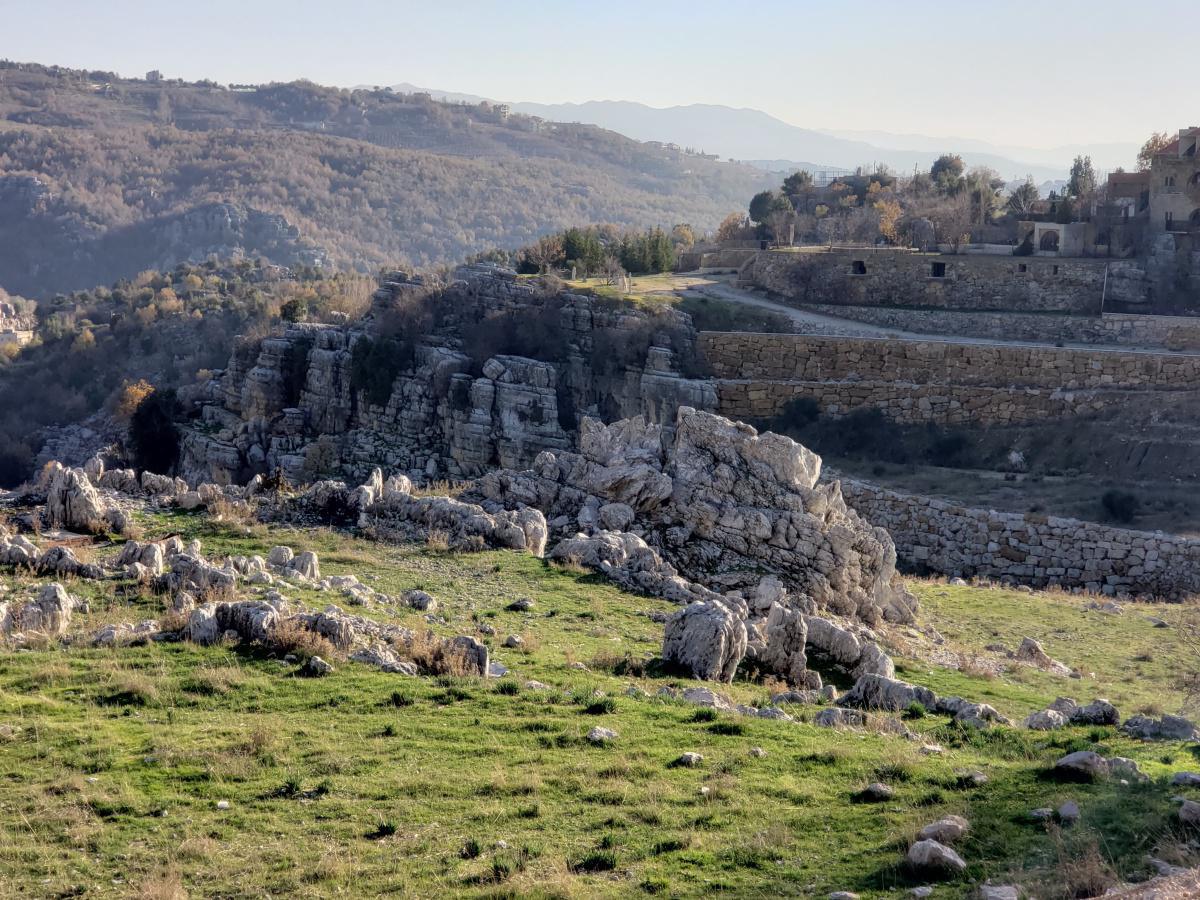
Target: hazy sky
(1029,72)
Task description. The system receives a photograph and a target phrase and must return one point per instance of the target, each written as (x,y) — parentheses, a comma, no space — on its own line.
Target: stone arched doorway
(1049,242)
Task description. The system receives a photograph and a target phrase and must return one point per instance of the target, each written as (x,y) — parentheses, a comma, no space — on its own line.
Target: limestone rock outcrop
(715,497)
(291,402)
(49,614)
(72,502)
(707,640)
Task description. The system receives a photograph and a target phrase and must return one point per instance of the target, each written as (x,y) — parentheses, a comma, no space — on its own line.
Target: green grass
(368,784)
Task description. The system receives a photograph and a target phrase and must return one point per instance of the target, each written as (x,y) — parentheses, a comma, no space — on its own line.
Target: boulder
(419,600)
(1045,720)
(1189,813)
(315,667)
(945,830)
(707,640)
(1082,765)
(1098,712)
(785,634)
(49,614)
(1031,652)
(715,496)
(1168,728)
(600,735)
(876,792)
(72,502)
(929,856)
(878,692)
(838,717)
(305,565)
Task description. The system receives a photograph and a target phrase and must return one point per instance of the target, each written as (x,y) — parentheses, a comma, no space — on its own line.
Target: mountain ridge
(772,138)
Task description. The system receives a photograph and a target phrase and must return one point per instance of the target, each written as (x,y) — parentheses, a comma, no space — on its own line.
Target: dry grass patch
(435,655)
(292,637)
(570,565)
(437,541)
(213,680)
(165,885)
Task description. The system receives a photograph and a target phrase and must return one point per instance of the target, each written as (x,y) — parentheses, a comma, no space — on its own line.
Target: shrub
(799,412)
(915,710)
(153,434)
(375,365)
(596,861)
(1120,506)
(292,637)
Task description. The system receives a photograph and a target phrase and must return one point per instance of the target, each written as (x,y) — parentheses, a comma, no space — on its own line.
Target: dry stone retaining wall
(1040,551)
(916,404)
(873,277)
(951,383)
(824,358)
(1114,329)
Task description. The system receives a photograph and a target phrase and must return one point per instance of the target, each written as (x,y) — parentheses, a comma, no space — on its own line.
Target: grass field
(116,766)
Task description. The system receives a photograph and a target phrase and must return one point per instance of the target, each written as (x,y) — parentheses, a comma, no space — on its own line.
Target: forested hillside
(101,177)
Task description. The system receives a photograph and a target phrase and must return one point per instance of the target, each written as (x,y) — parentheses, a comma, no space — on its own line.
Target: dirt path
(720,287)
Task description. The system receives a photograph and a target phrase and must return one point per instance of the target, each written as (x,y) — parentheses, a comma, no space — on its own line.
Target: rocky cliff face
(291,402)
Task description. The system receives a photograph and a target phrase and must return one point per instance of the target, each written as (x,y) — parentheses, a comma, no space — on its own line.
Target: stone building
(1175,185)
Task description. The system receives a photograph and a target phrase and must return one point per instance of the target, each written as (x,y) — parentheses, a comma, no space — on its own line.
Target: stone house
(1175,186)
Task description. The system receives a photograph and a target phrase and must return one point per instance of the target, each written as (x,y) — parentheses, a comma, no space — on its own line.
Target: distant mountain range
(762,139)
(101,178)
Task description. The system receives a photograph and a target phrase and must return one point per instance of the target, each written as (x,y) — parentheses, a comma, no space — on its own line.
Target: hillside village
(848,547)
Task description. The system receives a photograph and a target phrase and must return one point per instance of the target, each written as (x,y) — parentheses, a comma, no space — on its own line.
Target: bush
(1120,506)
(153,434)
(375,365)
(948,449)
(535,332)
(799,412)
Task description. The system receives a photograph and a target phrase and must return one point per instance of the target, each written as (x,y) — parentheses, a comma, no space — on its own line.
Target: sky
(1015,72)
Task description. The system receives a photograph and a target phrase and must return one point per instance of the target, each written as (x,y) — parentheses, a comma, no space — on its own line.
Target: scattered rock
(878,692)
(1068,813)
(514,642)
(315,667)
(1031,652)
(1045,720)
(838,717)
(758,752)
(930,856)
(419,600)
(1082,765)
(876,792)
(1168,728)
(599,735)
(1189,812)
(945,830)
(998,892)
(1098,712)
(689,760)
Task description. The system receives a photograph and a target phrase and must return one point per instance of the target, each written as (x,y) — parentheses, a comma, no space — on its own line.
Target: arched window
(1049,241)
